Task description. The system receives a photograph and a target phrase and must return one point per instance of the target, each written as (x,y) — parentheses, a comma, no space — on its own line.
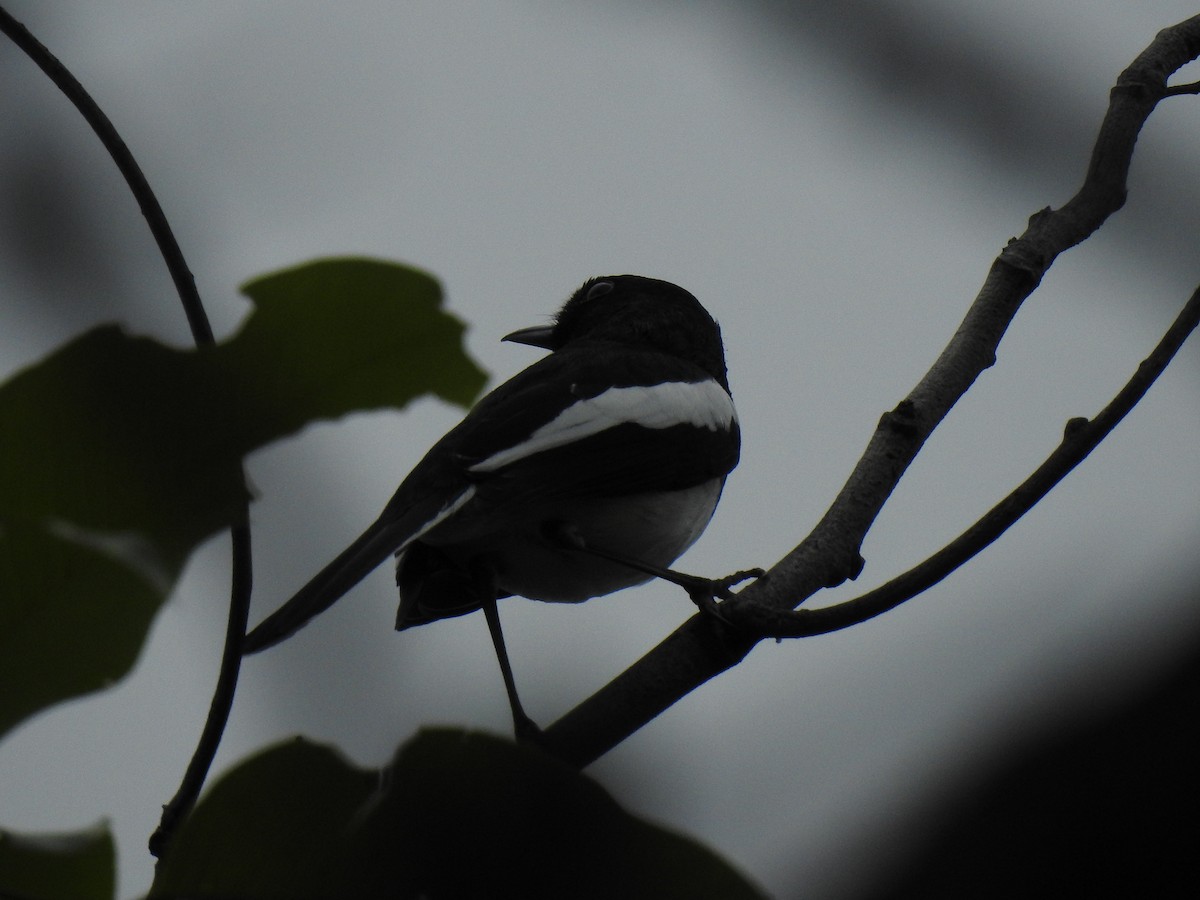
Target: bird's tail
(350,567)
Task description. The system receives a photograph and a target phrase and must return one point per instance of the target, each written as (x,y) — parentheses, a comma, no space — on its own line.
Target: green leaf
(328,338)
(76,866)
(118,455)
(457,814)
(72,619)
(269,828)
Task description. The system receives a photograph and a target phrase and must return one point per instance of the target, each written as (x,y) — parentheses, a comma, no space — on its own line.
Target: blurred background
(832,181)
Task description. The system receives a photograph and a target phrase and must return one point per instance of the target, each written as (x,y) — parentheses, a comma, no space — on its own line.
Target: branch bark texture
(701,648)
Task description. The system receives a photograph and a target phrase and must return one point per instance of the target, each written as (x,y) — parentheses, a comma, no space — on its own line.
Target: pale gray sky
(833,189)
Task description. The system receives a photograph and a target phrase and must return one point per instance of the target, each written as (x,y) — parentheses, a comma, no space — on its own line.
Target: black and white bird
(590,471)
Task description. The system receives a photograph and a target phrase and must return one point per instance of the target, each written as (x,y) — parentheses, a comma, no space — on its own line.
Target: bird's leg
(524,727)
(702,591)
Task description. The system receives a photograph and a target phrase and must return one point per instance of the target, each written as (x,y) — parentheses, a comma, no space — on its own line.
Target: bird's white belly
(652,528)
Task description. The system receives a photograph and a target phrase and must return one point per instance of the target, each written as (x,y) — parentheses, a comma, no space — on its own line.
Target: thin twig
(241,566)
(1181,89)
(177,809)
(1080,438)
(697,650)
(185,284)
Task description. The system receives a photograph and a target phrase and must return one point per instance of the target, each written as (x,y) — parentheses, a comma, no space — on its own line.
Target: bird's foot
(704,592)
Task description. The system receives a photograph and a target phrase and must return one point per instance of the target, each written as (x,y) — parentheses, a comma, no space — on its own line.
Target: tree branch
(699,649)
(185,285)
(1080,438)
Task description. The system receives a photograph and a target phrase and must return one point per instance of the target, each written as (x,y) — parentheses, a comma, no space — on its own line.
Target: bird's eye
(599,289)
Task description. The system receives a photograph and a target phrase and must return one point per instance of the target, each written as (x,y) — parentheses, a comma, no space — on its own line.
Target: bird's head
(634,310)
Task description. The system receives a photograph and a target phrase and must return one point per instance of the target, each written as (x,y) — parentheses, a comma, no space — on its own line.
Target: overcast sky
(832,181)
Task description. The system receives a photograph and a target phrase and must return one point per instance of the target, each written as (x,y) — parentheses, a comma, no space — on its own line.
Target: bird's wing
(594,420)
(622,422)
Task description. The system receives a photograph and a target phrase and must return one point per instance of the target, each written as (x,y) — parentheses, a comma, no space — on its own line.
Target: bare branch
(1080,438)
(698,650)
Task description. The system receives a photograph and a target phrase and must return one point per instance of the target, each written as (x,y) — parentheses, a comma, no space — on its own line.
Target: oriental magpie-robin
(590,471)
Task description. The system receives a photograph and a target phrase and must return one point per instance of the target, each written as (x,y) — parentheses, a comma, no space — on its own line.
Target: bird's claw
(705,591)
(722,585)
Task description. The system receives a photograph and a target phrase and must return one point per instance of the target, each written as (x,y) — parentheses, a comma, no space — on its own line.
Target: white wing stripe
(442,515)
(701,404)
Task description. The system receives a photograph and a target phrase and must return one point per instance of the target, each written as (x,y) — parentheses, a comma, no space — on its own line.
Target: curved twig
(241,575)
(698,650)
(185,285)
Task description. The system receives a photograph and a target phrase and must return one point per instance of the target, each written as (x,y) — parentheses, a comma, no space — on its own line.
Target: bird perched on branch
(590,471)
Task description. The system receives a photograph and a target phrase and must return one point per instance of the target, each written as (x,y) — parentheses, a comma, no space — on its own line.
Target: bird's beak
(538,336)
